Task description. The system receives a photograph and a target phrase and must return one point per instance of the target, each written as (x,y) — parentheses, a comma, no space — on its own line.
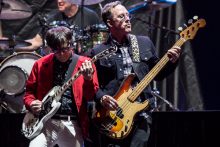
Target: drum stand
(3,105)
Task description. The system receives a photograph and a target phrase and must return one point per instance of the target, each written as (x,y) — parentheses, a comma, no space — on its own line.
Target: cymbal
(9,43)
(86,2)
(151,5)
(14,9)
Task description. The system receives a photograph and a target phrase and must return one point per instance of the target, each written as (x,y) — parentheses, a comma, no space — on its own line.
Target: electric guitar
(117,124)
(33,124)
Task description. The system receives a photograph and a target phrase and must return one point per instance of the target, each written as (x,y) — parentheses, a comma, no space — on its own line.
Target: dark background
(206,50)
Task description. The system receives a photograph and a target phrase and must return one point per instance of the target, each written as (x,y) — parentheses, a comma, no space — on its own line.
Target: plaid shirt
(127,61)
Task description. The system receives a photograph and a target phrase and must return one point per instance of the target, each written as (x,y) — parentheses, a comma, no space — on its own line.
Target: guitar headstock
(190,32)
(107,52)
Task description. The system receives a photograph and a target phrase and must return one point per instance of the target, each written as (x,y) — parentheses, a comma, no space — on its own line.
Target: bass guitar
(117,124)
(33,124)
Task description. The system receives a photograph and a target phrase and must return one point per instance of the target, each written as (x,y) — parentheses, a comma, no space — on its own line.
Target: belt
(64,117)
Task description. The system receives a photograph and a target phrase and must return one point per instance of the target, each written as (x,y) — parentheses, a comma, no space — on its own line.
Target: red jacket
(40,82)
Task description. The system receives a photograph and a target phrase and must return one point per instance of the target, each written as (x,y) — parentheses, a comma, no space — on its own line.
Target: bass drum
(14,71)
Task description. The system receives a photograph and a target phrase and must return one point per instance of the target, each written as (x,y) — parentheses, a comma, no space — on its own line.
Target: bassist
(135,54)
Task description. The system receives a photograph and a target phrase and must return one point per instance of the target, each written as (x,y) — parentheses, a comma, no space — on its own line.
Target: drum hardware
(82,3)
(14,9)
(85,2)
(82,43)
(7,109)
(13,43)
(99,33)
(9,45)
(96,28)
(44,25)
(3,104)
(150,5)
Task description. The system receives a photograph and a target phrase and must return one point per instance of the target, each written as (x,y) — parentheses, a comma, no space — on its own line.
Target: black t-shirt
(90,17)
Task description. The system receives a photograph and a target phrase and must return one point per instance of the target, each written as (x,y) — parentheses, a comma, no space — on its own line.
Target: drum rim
(18,53)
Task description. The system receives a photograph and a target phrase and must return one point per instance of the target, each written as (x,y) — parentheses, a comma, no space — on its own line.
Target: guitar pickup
(119,113)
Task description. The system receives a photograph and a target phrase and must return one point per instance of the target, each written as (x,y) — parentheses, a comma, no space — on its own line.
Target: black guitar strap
(72,65)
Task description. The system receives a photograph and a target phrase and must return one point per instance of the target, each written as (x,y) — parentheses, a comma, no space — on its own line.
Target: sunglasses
(58,51)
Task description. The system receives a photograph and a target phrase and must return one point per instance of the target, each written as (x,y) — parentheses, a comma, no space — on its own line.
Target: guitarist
(69,126)
(135,54)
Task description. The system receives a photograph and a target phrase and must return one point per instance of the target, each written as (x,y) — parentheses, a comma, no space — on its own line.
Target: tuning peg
(185,25)
(190,21)
(180,28)
(195,17)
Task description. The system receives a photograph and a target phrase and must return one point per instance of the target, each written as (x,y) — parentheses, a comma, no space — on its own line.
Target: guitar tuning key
(180,28)
(195,17)
(185,25)
(190,21)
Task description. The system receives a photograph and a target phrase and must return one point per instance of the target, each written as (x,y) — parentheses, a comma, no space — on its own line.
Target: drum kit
(83,38)
(16,67)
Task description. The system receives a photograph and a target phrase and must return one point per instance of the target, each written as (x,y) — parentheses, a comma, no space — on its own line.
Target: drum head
(13,80)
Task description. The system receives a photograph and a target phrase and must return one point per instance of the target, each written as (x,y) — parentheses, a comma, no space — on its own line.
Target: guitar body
(33,124)
(117,124)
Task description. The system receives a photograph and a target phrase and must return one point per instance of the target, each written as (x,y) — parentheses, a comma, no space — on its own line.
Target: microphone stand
(157,26)
(156,95)
(82,14)
(1,5)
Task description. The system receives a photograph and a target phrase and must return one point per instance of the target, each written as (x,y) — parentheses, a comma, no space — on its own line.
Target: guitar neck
(151,75)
